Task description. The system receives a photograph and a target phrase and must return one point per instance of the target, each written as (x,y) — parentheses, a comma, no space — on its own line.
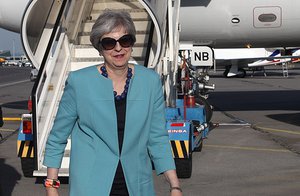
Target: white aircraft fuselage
(240,24)
(217,23)
(214,23)
(11,13)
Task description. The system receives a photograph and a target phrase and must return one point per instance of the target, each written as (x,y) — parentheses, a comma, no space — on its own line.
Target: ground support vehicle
(25,146)
(33,74)
(187,128)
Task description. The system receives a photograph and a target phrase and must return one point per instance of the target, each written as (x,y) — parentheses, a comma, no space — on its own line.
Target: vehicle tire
(199,148)
(184,167)
(226,71)
(208,110)
(242,73)
(27,166)
(31,78)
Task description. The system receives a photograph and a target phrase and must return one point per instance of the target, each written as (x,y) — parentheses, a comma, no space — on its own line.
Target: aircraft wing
(235,60)
(277,58)
(256,56)
(253,54)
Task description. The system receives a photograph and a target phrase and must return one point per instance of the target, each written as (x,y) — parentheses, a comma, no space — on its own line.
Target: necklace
(128,76)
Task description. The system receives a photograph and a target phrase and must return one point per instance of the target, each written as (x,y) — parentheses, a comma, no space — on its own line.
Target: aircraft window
(267,17)
(235,20)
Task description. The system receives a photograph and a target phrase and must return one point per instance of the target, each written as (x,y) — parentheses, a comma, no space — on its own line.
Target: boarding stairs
(85,55)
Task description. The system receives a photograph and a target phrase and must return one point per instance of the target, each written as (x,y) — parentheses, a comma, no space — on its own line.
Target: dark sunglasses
(125,41)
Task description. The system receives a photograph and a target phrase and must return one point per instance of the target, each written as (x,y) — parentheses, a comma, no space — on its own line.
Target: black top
(119,185)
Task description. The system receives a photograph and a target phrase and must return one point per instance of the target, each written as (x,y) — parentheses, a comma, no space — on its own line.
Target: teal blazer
(87,113)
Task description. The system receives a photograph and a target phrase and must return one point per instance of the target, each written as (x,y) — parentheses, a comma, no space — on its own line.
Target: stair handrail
(57,29)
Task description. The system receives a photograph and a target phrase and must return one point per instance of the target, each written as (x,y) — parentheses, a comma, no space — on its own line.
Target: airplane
(3,55)
(279,57)
(2,60)
(229,25)
(237,60)
(292,58)
(215,23)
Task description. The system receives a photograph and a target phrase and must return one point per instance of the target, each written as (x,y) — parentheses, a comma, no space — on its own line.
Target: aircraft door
(267,17)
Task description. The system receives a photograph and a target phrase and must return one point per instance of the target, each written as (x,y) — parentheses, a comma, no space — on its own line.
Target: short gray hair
(107,22)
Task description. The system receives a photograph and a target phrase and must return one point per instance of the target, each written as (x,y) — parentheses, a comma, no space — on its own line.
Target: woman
(115,115)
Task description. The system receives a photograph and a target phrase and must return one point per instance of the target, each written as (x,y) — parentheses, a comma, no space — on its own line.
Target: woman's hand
(52,192)
(172,178)
(175,192)
(52,173)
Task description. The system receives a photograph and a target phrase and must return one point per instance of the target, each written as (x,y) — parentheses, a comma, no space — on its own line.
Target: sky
(8,39)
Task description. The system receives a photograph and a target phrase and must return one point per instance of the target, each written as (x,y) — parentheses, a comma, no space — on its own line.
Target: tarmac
(252,149)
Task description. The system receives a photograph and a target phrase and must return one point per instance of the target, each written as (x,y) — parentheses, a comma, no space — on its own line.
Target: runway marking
(234,124)
(278,130)
(13,83)
(12,118)
(247,148)
(7,130)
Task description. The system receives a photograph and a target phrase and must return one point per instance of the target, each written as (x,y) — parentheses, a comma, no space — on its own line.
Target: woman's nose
(118,46)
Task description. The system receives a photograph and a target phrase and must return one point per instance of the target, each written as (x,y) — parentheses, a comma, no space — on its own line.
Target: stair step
(85,55)
(136,14)
(99,1)
(102,5)
(139,25)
